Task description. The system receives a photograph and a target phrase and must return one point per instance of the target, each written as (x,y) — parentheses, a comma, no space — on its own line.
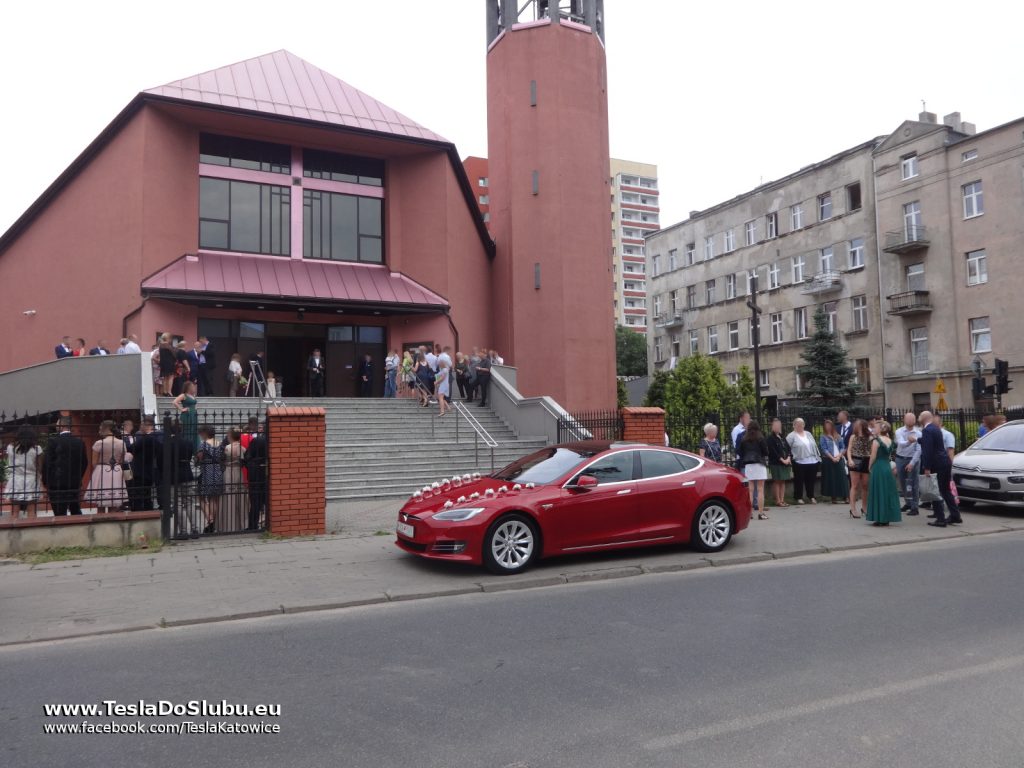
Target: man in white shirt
(132,347)
(739,429)
(447,357)
(391,363)
(908,462)
(431,360)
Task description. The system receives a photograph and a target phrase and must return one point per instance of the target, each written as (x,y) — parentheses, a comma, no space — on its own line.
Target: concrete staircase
(379,448)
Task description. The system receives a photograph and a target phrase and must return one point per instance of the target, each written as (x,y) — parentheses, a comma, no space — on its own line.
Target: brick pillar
(644,425)
(296,497)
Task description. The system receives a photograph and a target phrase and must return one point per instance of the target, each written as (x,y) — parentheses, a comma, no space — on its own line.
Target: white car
(991,471)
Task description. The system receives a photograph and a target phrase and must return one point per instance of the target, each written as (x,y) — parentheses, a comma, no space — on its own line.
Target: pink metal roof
(281,83)
(284,278)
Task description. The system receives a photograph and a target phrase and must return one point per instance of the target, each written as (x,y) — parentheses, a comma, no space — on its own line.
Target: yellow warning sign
(941,405)
(940,387)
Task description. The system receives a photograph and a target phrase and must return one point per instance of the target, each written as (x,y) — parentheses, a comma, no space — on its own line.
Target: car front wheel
(712,526)
(510,545)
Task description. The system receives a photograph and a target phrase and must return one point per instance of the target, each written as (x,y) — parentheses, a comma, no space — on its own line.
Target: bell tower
(547,135)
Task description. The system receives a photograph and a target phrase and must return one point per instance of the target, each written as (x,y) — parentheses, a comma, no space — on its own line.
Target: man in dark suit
(99,349)
(63,349)
(366,377)
(315,373)
(256,472)
(196,363)
(844,426)
(935,460)
(483,376)
(65,463)
(174,470)
(144,447)
(208,366)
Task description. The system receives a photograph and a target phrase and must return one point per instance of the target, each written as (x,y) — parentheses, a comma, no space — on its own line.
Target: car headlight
(458,515)
(1016,479)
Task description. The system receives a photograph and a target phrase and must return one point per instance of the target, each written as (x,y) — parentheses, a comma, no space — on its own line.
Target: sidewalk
(219,579)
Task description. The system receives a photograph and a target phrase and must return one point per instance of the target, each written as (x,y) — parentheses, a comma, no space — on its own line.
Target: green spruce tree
(827,378)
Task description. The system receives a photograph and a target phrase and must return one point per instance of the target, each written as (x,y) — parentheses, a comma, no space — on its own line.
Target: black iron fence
(591,425)
(205,470)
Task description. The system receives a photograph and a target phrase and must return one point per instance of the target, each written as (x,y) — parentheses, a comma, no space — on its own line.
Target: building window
(332,166)
(487,216)
(657,304)
(974,204)
(863,367)
(674,300)
(691,297)
(239,216)
(915,277)
(912,220)
(709,248)
(734,335)
(977,267)
(970,154)
(728,241)
(657,348)
(776,320)
(826,260)
(796,216)
(825,206)
(908,166)
(244,153)
(730,286)
(773,275)
(709,291)
(342,227)
(672,259)
(732,378)
(981,335)
(485,200)
(919,350)
(694,342)
(856,253)
(832,311)
(860,313)
(800,322)
(853,201)
(691,251)
(750,232)
(676,351)
(799,379)
(765,380)
(771,225)
(712,339)
(656,264)
(798,268)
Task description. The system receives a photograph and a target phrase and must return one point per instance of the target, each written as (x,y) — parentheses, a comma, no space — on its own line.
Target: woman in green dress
(883,497)
(185,404)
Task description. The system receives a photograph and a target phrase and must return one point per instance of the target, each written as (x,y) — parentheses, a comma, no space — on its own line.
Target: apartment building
(635,214)
(809,238)
(950,207)
(479,179)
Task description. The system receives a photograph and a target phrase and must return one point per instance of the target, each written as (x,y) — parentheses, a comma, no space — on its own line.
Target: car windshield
(1006,438)
(544,466)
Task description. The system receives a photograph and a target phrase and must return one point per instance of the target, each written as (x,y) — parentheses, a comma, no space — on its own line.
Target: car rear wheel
(510,545)
(712,526)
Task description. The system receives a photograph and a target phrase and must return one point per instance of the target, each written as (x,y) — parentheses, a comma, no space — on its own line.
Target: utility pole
(755,333)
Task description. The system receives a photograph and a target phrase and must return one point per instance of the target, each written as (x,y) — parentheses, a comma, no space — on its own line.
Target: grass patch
(382,533)
(82,553)
(268,536)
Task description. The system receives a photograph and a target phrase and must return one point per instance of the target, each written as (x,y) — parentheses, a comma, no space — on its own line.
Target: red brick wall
(644,425)
(296,501)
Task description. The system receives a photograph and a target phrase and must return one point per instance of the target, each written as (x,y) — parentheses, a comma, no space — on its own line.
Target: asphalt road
(909,656)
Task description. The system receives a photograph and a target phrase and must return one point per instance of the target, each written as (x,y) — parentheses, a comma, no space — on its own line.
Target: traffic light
(977,387)
(1002,376)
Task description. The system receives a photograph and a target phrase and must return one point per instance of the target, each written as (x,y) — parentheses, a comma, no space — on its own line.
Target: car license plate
(407,530)
(973,482)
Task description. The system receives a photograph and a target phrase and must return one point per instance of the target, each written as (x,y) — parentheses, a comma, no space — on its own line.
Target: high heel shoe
(855,517)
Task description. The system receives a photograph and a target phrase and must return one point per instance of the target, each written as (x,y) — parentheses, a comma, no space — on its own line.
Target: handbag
(928,488)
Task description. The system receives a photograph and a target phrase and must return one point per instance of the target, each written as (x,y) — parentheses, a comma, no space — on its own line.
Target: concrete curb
(535,582)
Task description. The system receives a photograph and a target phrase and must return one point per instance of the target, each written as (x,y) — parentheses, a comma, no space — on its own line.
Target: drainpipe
(451,324)
(124,320)
(883,315)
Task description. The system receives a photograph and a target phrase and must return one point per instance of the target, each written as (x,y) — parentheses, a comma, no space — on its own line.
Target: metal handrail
(479,433)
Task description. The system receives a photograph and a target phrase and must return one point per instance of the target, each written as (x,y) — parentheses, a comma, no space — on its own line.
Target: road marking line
(750,722)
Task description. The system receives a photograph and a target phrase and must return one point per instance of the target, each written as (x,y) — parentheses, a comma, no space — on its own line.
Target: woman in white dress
(234,374)
(752,456)
(107,490)
(234,504)
(806,458)
(23,459)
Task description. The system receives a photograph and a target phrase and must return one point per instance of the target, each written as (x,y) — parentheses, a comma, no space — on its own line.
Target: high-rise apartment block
(635,214)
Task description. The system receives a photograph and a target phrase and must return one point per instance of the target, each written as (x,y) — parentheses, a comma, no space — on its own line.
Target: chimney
(952,120)
(928,117)
(969,128)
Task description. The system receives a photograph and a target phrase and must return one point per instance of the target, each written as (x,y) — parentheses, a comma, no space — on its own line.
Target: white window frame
(796,216)
(712,339)
(710,291)
(750,232)
(800,322)
(709,247)
(908,167)
(657,305)
(799,263)
(977,267)
(773,275)
(728,241)
(694,341)
(766,379)
(691,297)
(730,286)
(918,362)
(974,199)
(915,277)
(825,205)
(482,181)
(826,259)
(771,225)
(778,332)
(970,154)
(656,264)
(859,310)
(672,258)
(832,310)
(734,335)
(657,349)
(856,253)
(911,219)
(981,335)
(691,255)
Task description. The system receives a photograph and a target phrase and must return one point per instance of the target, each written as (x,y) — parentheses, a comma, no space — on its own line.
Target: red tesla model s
(576,497)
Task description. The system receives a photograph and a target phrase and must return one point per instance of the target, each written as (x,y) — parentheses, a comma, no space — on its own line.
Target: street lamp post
(755,333)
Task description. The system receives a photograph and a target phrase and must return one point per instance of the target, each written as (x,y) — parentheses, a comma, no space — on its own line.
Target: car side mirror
(584,483)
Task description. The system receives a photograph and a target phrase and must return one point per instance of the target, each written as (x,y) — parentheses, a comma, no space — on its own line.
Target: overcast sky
(720,95)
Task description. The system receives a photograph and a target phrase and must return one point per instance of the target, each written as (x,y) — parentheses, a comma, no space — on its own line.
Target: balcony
(907,240)
(910,303)
(823,282)
(669,321)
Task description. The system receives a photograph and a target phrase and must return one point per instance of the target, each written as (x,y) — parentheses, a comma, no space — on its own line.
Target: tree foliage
(826,377)
(655,397)
(630,352)
(622,395)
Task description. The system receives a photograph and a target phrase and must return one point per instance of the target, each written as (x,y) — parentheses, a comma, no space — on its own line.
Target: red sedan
(576,497)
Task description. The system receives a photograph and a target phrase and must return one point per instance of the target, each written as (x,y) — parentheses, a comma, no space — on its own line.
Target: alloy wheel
(512,544)
(714,526)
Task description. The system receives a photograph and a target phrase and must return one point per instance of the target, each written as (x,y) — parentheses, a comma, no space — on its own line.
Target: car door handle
(689,483)
(624,491)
